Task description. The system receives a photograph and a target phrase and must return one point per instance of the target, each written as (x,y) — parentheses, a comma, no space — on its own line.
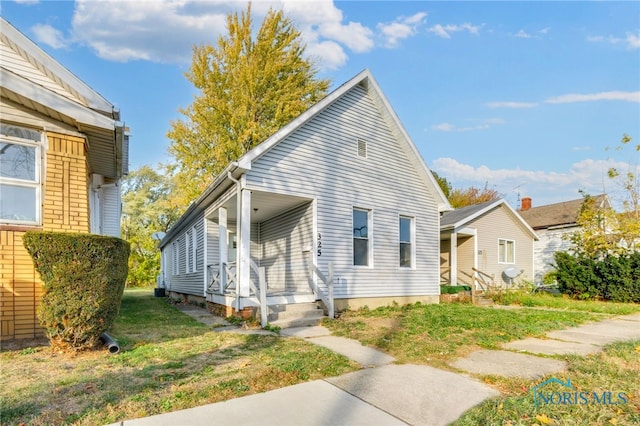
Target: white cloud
(446,30)
(509,104)
(602,96)
(484,125)
(327,54)
(401,28)
(27,1)
(522,34)
(632,41)
(543,186)
(48,35)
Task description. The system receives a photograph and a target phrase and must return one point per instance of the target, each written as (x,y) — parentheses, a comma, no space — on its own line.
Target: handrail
(479,278)
(328,281)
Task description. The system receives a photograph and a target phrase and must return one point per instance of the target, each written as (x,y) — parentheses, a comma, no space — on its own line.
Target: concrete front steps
(295,315)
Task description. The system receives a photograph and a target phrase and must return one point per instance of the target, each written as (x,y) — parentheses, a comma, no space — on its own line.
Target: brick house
(63,151)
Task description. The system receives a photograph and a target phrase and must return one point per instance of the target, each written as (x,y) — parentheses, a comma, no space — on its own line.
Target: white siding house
(340,192)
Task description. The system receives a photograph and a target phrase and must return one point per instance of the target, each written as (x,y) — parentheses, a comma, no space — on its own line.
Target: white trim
(194,249)
(412,240)
(513,245)
(369,237)
(56,102)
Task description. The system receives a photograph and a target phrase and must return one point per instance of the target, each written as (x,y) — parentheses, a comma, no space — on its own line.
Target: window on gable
(20,199)
(406,241)
(506,251)
(361,237)
(362,148)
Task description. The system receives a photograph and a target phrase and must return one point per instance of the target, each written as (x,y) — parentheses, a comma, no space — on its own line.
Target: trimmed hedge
(614,278)
(83,278)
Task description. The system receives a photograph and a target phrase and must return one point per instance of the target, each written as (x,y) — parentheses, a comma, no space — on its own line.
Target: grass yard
(436,334)
(168,361)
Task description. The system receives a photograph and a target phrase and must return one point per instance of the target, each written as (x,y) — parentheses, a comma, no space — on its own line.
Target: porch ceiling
(264,205)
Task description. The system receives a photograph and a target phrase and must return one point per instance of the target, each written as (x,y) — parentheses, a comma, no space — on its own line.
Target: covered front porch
(259,250)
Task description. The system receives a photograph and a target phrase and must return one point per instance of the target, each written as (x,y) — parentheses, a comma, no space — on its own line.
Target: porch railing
(260,291)
(485,281)
(327,299)
(218,275)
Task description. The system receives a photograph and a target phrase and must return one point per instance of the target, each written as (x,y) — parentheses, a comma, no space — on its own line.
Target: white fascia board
(94,99)
(56,102)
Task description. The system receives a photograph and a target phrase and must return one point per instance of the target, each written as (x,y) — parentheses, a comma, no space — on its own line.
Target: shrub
(612,277)
(83,280)
(453,289)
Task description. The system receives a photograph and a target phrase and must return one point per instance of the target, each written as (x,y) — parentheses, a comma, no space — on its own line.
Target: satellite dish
(158,236)
(512,273)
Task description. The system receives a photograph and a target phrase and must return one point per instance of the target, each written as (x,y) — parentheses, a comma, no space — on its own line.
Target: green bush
(453,289)
(613,277)
(83,280)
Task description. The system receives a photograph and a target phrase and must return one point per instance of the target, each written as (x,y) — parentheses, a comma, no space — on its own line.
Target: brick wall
(65,208)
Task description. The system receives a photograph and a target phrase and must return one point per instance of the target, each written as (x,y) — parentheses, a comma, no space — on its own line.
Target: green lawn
(437,334)
(168,362)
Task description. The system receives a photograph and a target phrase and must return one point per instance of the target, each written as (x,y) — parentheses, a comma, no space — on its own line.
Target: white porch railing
(327,298)
(260,291)
(217,276)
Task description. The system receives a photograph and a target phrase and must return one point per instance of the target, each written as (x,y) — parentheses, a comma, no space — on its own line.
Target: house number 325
(319,244)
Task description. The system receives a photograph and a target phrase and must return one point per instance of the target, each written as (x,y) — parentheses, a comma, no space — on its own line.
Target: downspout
(238,215)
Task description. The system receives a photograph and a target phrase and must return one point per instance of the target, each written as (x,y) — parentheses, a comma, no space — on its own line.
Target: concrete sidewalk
(383,393)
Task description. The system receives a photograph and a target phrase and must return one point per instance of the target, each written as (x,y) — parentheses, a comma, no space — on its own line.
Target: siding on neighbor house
(64,209)
(465,260)
(498,224)
(320,161)
(283,239)
(550,241)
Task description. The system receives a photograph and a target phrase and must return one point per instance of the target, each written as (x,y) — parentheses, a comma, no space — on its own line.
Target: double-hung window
(506,251)
(194,246)
(20,152)
(361,237)
(406,241)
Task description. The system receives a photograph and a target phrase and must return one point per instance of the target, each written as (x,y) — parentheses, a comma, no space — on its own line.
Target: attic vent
(362,148)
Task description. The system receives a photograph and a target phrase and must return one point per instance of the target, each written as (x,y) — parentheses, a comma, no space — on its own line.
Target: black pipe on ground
(110,343)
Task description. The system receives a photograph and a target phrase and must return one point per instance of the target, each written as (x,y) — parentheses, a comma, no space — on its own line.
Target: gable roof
(458,218)
(33,80)
(366,80)
(563,214)
(244,163)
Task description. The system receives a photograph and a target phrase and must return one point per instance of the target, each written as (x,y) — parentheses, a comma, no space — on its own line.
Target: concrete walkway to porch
(383,393)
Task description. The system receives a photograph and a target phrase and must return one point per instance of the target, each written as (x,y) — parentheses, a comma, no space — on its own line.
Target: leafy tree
(443,183)
(604,231)
(147,208)
(249,88)
(472,195)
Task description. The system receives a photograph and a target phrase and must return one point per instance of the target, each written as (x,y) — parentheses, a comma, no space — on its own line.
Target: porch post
(223,245)
(244,244)
(453,259)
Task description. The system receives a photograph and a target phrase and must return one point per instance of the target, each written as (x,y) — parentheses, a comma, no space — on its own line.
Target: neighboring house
(62,154)
(341,187)
(554,223)
(482,241)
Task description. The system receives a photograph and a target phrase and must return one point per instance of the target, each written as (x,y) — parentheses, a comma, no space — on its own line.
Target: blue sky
(522,96)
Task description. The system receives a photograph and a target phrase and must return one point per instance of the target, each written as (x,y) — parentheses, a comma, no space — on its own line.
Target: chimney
(526,204)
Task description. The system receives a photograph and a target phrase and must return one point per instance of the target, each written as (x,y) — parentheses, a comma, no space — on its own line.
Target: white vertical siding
(111,209)
(320,161)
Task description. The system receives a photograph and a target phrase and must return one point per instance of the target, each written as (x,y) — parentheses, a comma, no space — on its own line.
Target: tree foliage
(604,231)
(443,183)
(147,208)
(249,86)
(472,195)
